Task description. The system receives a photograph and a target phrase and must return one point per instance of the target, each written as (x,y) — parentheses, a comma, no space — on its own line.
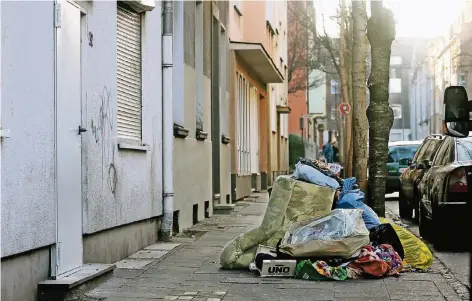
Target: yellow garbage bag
(417,254)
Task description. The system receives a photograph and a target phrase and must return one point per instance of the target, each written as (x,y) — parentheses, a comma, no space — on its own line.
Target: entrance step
(223,208)
(73,284)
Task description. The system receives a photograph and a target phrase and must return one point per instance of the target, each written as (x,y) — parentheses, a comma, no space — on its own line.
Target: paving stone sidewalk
(189,270)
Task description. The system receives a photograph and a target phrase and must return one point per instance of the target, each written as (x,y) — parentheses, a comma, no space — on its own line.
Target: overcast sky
(414,18)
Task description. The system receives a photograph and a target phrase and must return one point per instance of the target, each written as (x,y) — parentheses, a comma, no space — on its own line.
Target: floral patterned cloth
(320,270)
(376,261)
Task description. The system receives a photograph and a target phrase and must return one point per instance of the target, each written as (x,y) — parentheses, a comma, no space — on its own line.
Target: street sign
(344,108)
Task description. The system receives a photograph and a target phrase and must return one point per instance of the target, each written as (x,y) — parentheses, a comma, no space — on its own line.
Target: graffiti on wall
(102,128)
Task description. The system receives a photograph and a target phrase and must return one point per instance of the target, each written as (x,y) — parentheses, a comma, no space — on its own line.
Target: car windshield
(464,149)
(396,153)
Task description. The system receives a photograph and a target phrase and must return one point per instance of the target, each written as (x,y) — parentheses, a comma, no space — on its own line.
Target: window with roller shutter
(129,109)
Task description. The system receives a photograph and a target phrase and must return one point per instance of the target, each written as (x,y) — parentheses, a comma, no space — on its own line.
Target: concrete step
(74,283)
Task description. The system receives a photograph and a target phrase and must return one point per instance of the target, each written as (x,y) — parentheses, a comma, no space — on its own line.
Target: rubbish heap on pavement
(317,227)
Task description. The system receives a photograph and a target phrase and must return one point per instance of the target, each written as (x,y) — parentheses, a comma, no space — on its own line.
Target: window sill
(180,131)
(201,135)
(225,139)
(135,147)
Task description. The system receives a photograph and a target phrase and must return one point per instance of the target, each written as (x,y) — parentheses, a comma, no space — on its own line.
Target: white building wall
(138,190)
(27,107)
(120,186)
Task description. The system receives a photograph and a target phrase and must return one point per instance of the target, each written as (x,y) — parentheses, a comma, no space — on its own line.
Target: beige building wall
(194,197)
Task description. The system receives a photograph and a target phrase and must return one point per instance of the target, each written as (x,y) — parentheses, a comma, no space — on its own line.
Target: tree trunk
(343,74)
(381,33)
(360,125)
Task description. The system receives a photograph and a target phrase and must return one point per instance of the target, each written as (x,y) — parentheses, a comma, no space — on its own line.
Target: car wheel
(424,225)
(405,210)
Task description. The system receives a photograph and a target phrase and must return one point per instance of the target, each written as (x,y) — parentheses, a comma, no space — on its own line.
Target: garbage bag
(312,175)
(339,233)
(354,199)
(385,234)
(417,254)
(290,201)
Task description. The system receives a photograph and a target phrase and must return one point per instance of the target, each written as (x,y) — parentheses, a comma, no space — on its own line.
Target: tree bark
(359,75)
(349,117)
(381,33)
(344,84)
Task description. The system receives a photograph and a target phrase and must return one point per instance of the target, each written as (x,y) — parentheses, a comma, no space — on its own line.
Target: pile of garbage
(317,227)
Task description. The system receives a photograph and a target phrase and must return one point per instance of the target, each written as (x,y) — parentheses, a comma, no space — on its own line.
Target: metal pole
(168,123)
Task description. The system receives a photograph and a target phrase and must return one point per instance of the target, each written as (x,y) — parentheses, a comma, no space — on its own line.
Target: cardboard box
(278,268)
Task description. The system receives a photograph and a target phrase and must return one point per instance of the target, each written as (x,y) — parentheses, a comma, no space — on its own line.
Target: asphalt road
(457,263)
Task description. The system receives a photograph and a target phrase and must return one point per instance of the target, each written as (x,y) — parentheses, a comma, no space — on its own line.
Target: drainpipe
(167,122)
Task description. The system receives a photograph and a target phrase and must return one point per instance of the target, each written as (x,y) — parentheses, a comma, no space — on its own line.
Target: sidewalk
(191,272)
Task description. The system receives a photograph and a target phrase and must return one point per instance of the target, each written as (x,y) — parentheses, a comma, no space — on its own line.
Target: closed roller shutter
(129,111)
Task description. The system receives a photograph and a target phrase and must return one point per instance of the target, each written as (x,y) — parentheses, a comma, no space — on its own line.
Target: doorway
(69,247)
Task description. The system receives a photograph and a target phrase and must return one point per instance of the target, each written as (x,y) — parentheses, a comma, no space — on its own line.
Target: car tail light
(458,181)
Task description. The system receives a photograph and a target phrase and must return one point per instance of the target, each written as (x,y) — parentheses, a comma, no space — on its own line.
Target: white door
(68,156)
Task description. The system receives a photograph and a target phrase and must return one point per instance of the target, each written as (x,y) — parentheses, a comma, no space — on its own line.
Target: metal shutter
(129,111)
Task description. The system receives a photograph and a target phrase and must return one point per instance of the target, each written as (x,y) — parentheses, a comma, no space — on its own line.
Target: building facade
(115,128)
(445,61)
(258,93)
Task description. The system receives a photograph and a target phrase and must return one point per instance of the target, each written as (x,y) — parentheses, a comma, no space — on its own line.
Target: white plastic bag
(338,234)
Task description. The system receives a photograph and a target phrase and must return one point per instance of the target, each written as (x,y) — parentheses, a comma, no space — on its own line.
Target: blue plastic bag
(354,199)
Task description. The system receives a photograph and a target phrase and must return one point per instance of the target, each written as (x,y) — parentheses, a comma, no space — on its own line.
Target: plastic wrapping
(312,175)
(338,224)
(340,233)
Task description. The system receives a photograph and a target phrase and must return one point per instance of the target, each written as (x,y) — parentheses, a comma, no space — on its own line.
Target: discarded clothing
(320,270)
(377,262)
(354,199)
(385,234)
(322,167)
(312,175)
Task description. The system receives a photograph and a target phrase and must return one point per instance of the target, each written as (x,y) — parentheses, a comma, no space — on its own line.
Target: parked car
(397,151)
(409,196)
(446,188)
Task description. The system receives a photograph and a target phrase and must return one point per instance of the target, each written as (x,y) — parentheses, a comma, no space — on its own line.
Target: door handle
(81,130)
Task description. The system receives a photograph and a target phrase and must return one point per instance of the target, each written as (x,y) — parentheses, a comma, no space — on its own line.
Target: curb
(462,290)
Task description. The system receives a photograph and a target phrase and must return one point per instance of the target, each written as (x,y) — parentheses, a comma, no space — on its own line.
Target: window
(222,80)
(395,60)
(397,111)
(334,86)
(178,61)
(200,91)
(432,149)
(402,152)
(464,149)
(129,110)
(441,153)
(395,85)
(243,92)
